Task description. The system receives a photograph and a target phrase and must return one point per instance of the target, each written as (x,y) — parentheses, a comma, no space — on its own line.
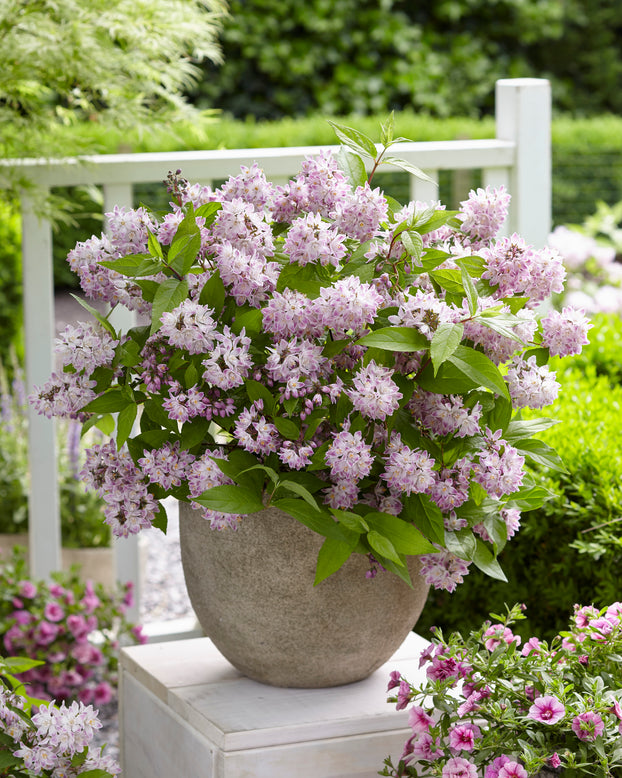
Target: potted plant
(490,707)
(333,381)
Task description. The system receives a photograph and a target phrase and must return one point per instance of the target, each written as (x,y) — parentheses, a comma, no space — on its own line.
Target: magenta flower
(419,720)
(27,589)
(457,767)
(547,710)
(513,770)
(554,760)
(588,726)
(53,611)
(394,679)
(462,737)
(492,771)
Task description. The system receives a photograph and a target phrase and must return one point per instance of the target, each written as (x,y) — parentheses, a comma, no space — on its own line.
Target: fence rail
(518,158)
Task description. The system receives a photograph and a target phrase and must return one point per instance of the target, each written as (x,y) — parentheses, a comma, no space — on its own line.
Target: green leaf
(95,773)
(461,543)
(405,537)
(19,664)
(94,312)
(395,339)
(479,368)
(386,130)
(519,429)
(538,451)
(300,490)
(208,211)
(530,497)
(353,166)
(318,521)
(413,243)
(170,294)
(351,521)
(300,278)
(130,354)
(250,321)
(444,342)
(449,279)
(125,423)
(257,391)
(286,427)
(383,547)
(115,399)
(355,140)
(134,266)
(213,293)
(185,245)
(469,287)
(231,498)
(403,164)
(484,559)
(153,244)
(193,432)
(515,304)
(333,555)
(8,760)
(427,516)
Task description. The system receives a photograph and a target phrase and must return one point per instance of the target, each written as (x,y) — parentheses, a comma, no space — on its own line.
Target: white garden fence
(519,158)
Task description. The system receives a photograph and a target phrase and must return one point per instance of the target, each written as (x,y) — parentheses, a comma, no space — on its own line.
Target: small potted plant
(493,708)
(333,382)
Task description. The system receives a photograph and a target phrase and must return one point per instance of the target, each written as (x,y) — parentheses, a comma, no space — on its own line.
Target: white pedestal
(185,712)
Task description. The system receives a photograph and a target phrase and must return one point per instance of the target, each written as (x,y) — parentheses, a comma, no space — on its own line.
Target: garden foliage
(81,510)
(297,57)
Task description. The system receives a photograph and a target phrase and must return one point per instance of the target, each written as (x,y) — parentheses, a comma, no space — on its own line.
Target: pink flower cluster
(311,327)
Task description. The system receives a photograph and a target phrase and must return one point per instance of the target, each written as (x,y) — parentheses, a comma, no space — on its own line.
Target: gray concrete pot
(252,591)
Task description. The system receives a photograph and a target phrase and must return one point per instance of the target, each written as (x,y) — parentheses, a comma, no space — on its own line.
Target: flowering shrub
(590,255)
(74,627)
(80,510)
(490,708)
(319,348)
(51,742)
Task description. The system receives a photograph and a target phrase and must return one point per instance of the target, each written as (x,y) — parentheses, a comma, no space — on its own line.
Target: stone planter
(253,594)
(96,564)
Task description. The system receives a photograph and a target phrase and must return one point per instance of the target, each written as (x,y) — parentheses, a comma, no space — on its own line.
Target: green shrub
(569,551)
(297,57)
(10,280)
(604,352)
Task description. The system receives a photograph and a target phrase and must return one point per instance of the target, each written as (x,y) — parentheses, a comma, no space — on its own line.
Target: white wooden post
(523,115)
(125,549)
(424,191)
(38,285)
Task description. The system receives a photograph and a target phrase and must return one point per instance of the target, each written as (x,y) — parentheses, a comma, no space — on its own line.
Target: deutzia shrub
(319,348)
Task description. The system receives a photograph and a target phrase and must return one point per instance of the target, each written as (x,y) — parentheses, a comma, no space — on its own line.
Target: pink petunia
(513,770)
(462,737)
(547,710)
(457,767)
(588,726)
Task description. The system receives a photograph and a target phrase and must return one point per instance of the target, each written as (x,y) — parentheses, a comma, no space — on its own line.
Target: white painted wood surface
(224,725)
(519,157)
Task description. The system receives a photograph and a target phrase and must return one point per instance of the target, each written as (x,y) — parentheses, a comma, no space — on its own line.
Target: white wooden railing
(519,158)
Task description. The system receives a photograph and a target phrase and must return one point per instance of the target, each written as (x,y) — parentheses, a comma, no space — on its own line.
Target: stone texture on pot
(252,590)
